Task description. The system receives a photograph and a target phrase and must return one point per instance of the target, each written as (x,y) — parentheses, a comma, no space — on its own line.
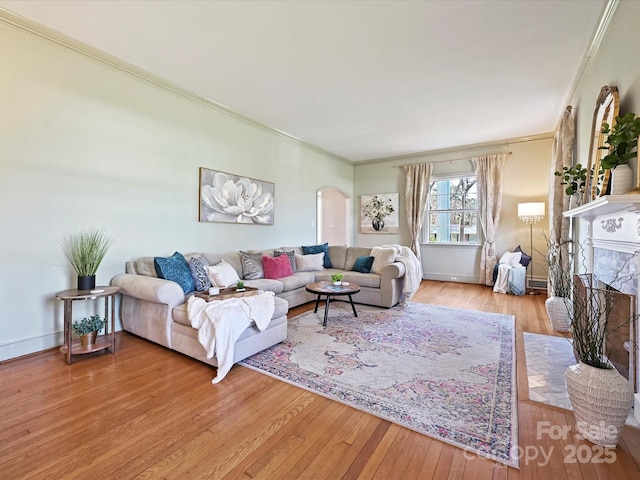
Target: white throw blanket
(510,279)
(502,280)
(413,270)
(220,323)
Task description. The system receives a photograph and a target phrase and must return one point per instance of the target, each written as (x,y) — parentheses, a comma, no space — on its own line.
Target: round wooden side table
(330,290)
(105,341)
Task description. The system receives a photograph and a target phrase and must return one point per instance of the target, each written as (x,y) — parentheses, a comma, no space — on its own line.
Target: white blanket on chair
(413,270)
(220,323)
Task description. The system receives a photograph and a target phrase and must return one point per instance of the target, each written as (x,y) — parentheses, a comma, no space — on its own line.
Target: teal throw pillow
(324,248)
(363,264)
(176,269)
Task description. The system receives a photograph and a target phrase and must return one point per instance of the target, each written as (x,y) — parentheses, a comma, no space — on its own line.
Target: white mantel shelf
(605,205)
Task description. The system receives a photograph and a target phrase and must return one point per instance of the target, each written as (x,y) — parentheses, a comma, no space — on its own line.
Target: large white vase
(601,401)
(558,313)
(621,180)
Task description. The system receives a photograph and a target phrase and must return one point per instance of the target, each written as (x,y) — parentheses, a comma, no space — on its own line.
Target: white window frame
(426,226)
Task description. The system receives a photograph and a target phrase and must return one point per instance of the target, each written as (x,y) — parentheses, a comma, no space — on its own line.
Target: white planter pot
(558,313)
(621,180)
(601,401)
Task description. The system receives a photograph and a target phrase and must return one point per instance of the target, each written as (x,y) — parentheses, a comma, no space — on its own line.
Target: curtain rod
(451,160)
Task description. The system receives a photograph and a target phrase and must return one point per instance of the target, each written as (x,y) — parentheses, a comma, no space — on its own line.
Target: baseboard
(447,277)
(27,345)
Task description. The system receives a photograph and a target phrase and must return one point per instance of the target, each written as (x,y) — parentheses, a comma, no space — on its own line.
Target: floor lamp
(531,212)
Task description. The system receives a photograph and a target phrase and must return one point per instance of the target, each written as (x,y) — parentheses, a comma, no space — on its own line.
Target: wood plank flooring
(150,413)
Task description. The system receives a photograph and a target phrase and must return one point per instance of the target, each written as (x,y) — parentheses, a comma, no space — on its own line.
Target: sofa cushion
(232,258)
(176,269)
(222,275)
(252,268)
(371,280)
(199,274)
(291,255)
(381,258)
(276,267)
(353,253)
(363,264)
(297,280)
(310,263)
(338,256)
(324,248)
(145,266)
(275,286)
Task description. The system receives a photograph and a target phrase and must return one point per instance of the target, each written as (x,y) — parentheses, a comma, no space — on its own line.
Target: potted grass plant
(85,250)
(336,278)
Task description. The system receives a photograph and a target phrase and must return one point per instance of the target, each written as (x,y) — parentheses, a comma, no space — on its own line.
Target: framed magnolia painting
(234,199)
(379,213)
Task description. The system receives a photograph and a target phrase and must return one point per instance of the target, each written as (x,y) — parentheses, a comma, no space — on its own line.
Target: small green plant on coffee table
(94,323)
(240,285)
(336,277)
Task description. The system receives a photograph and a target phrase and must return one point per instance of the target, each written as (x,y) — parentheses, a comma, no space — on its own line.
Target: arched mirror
(607,107)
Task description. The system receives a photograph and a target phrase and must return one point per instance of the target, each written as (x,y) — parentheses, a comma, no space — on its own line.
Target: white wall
(614,64)
(526,178)
(85,144)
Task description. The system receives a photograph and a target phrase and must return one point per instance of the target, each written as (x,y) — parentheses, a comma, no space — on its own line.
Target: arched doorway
(334,218)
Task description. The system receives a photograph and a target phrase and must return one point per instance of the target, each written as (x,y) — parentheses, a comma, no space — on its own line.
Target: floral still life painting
(234,199)
(379,213)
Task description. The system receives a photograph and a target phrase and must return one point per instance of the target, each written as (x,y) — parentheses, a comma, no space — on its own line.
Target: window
(452,211)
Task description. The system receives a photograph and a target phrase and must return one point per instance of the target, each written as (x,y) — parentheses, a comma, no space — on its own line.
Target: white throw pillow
(511,258)
(381,258)
(310,263)
(222,275)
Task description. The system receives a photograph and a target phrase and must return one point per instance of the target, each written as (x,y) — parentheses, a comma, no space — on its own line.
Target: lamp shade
(531,212)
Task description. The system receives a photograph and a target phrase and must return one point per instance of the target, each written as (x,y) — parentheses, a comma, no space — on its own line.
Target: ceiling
(361,79)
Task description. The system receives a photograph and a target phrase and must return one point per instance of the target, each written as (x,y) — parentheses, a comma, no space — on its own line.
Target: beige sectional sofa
(155,308)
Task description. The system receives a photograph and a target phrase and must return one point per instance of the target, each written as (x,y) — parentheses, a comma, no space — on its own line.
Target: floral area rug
(446,373)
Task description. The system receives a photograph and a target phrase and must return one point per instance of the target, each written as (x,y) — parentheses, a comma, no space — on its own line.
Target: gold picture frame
(607,108)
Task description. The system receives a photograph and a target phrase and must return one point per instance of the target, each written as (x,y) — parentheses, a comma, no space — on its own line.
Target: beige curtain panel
(561,156)
(489,170)
(417,178)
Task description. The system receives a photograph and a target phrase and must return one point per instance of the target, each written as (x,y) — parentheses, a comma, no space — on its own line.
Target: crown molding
(472,149)
(608,12)
(118,64)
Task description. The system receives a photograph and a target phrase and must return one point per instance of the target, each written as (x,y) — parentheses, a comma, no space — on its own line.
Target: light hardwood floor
(147,412)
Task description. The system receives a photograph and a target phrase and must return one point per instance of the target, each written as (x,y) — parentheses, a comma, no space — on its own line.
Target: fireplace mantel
(605,205)
(611,245)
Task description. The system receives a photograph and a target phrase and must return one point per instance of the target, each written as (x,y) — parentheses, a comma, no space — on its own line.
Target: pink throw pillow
(276,267)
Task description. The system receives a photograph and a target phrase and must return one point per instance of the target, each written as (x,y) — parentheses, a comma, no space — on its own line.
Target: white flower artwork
(234,199)
(379,213)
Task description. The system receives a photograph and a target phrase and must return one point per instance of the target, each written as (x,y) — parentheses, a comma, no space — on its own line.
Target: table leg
(355,314)
(326,311)
(113,323)
(67,328)
(317,303)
